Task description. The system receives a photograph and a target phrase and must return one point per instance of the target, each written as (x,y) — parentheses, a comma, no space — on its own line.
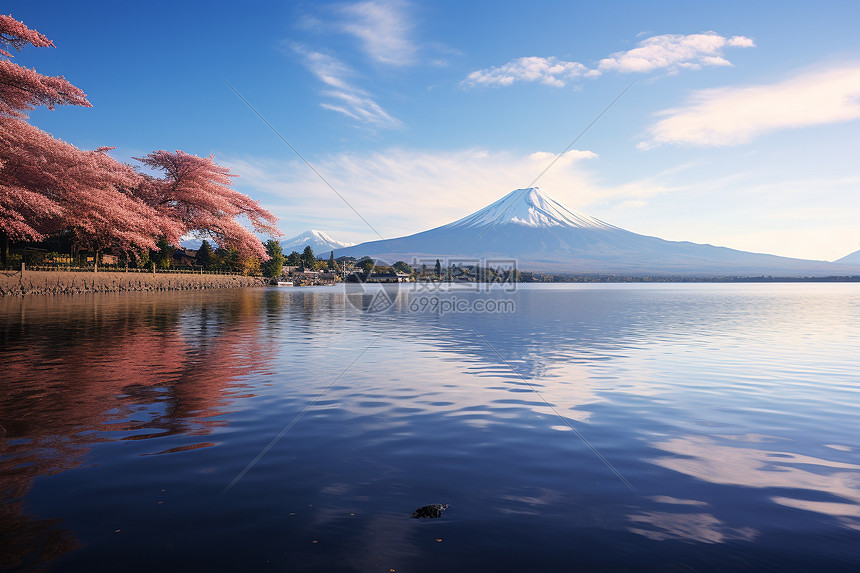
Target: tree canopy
(196,194)
(294,259)
(273,267)
(309,260)
(367,264)
(205,255)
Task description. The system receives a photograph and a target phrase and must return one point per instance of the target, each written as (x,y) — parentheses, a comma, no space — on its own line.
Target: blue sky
(741,127)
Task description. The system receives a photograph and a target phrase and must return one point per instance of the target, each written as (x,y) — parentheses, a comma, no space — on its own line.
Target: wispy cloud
(732,116)
(669,52)
(343,97)
(383,29)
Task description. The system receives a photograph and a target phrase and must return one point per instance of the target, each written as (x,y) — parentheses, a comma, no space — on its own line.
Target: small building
(389,277)
(184,257)
(305,277)
(104,259)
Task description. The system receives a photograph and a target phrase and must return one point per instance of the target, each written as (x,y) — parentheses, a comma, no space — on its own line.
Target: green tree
(163,256)
(403,267)
(251,266)
(140,260)
(294,259)
(205,256)
(438,268)
(275,265)
(331,264)
(309,260)
(229,260)
(366,264)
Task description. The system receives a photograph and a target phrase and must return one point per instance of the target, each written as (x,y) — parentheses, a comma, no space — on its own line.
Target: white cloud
(383,28)
(741,42)
(567,159)
(548,71)
(347,99)
(671,52)
(732,116)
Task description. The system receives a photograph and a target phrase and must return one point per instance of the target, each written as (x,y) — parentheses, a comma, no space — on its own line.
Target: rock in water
(432,511)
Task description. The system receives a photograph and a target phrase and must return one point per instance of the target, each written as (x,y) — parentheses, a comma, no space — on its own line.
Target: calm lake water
(679,427)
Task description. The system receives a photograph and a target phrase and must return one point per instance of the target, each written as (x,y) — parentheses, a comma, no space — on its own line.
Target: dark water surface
(722,426)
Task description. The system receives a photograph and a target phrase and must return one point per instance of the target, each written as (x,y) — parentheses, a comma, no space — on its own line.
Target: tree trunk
(96,261)
(4,248)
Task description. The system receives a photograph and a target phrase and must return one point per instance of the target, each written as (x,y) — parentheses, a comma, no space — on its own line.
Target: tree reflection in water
(101,368)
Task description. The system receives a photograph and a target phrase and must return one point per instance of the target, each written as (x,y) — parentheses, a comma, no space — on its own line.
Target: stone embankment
(16,283)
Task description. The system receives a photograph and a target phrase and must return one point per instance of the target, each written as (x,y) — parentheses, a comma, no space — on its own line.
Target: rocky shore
(16,283)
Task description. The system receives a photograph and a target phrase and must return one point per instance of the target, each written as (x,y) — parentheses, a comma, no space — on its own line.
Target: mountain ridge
(850,259)
(543,235)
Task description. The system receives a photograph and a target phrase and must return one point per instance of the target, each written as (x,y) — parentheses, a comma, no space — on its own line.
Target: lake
(663,427)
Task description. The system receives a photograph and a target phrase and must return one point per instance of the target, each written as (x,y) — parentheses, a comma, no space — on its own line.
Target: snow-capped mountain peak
(530,207)
(326,238)
(319,241)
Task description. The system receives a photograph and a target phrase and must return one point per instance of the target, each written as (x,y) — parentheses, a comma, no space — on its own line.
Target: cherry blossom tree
(48,185)
(22,89)
(25,210)
(107,212)
(197,193)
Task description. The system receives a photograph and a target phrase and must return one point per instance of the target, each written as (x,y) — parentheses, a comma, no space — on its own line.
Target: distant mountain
(319,241)
(192,243)
(543,235)
(852,259)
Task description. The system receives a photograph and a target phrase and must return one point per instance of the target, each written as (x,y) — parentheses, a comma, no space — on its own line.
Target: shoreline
(35,283)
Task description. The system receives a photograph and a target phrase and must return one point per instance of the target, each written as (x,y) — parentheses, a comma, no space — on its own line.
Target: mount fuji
(319,241)
(541,234)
